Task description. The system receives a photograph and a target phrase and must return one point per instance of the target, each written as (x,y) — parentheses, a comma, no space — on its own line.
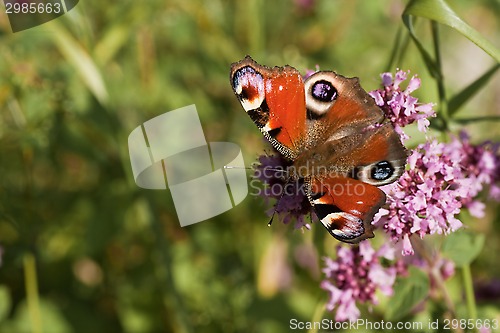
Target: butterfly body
(333,133)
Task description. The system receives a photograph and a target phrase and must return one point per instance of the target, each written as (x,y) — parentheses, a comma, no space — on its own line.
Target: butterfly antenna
(272,217)
(276,208)
(236,167)
(279,199)
(250,168)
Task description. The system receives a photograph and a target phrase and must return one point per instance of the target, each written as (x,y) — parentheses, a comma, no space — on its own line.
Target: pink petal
(413,85)
(366,251)
(407,247)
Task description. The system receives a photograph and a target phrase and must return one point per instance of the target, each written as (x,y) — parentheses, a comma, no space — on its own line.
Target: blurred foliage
(111,257)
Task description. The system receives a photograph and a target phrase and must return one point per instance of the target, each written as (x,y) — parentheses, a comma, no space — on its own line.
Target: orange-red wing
(346,207)
(274,99)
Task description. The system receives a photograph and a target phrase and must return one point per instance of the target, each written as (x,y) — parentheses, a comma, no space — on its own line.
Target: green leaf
(465,121)
(5,302)
(80,59)
(408,292)
(439,11)
(456,102)
(114,39)
(463,247)
(434,70)
(52,318)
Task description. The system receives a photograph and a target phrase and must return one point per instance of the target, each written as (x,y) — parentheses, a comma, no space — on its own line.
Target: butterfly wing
(350,132)
(354,150)
(338,106)
(346,207)
(274,99)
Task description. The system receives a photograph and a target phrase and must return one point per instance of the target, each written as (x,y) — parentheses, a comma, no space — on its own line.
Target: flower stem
(423,252)
(469,291)
(394,52)
(318,314)
(255,35)
(172,299)
(439,79)
(31,285)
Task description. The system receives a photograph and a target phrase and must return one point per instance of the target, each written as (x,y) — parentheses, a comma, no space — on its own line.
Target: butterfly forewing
(274,99)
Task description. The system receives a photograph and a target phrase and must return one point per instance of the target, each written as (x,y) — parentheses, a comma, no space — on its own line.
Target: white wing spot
(238,89)
(252,104)
(254,84)
(266,128)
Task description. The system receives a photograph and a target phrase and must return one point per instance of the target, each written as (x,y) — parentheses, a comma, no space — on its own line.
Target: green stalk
(172,299)
(394,52)
(404,47)
(255,34)
(399,48)
(422,251)
(439,79)
(469,291)
(31,285)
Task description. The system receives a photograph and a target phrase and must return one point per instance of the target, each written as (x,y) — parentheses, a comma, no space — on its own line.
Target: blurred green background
(111,257)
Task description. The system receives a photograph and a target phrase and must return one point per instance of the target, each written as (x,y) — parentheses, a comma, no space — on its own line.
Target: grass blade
(439,11)
(81,61)
(456,102)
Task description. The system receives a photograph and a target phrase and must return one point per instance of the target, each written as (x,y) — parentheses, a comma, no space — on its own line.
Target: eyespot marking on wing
(321,93)
(343,225)
(379,173)
(248,84)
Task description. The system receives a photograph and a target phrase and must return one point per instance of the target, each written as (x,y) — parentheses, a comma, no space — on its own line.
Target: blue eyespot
(382,170)
(324,91)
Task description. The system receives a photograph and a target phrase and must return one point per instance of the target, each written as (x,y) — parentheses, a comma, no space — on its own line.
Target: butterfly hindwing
(346,206)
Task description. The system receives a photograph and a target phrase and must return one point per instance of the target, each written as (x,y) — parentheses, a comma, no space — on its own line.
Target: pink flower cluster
(292,203)
(399,106)
(356,275)
(442,179)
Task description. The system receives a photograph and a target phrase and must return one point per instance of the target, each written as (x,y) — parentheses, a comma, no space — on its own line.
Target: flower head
(399,106)
(355,276)
(482,163)
(292,203)
(441,180)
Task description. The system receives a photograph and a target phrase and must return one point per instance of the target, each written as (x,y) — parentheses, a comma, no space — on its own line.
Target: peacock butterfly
(335,136)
